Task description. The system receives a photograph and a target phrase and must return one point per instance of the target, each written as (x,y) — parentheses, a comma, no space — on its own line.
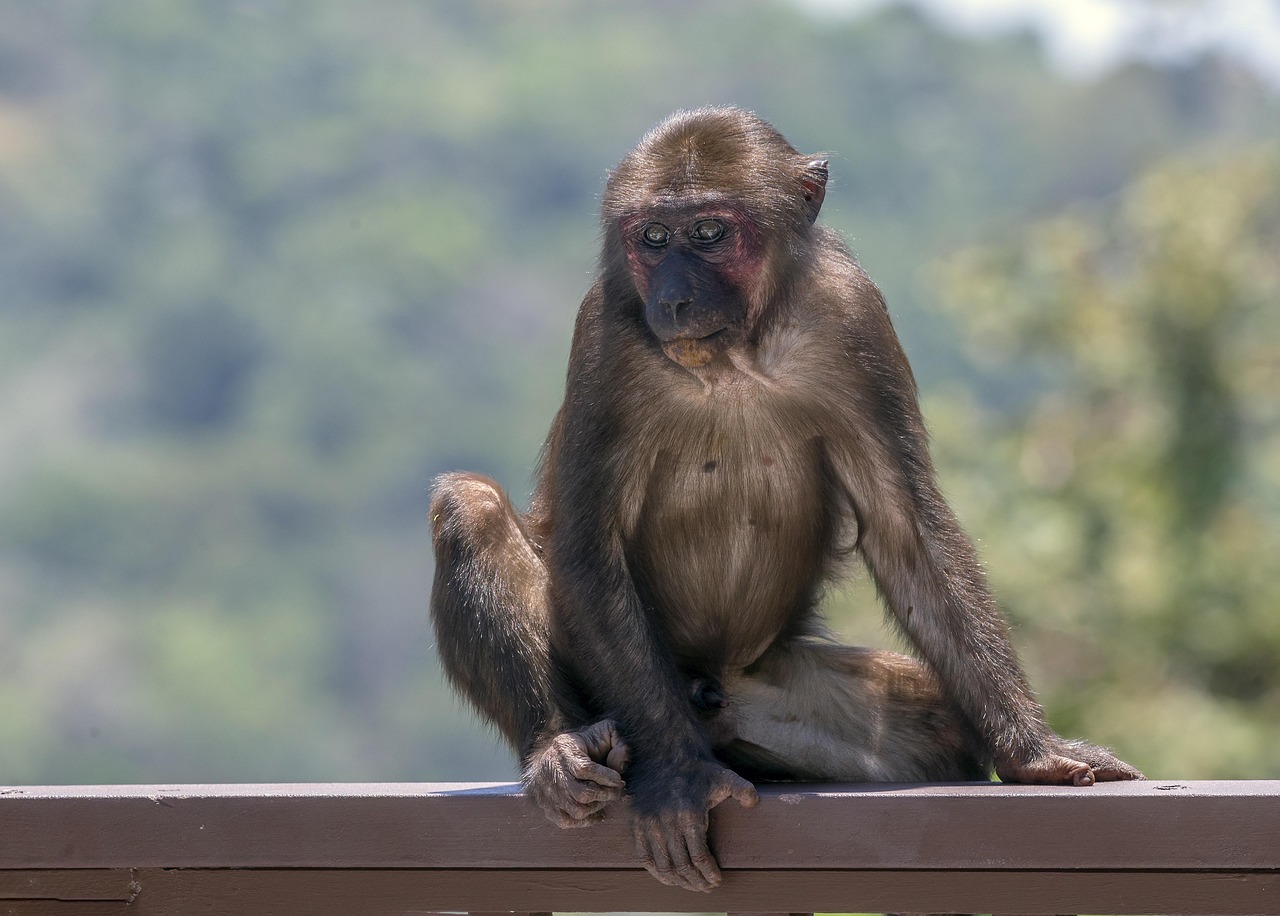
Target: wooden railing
(371,850)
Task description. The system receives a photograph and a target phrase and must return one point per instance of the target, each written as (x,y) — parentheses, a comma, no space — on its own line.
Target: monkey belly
(729,550)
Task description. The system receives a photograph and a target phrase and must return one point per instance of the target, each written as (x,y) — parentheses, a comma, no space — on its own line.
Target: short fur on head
(683,158)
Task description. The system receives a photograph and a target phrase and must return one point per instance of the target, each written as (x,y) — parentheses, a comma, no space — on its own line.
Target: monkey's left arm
(929,574)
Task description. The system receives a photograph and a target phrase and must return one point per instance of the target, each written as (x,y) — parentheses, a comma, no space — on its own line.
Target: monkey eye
(706,231)
(656,235)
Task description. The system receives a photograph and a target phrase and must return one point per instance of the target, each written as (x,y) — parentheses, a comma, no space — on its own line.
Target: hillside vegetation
(266,268)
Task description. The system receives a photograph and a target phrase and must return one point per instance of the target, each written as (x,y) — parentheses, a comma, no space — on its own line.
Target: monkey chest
(730,543)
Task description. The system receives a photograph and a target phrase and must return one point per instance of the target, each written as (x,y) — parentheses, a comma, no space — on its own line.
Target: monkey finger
(653,854)
(677,848)
(563,809)
(693,845)
(565,812)
(663,851)
(676,842)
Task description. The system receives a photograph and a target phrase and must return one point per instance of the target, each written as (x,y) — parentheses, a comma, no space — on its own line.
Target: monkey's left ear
(814,181)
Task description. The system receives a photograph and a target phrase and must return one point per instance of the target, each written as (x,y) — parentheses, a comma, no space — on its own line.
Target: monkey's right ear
(814,181)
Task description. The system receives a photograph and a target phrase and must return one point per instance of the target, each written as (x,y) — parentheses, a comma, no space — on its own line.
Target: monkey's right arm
(608,652)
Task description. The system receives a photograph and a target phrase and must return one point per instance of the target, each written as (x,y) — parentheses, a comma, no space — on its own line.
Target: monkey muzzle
(695,352)
(692,311)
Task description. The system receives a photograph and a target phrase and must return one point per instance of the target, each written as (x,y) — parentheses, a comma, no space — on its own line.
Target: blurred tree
(197,364)
(1129,507)
(267,266)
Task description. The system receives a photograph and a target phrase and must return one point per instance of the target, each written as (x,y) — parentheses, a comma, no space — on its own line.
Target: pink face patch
(738,257)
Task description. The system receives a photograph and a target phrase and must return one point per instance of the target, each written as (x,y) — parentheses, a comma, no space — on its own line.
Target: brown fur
(718,452)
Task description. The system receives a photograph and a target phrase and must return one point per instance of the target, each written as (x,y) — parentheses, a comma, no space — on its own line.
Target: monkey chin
(696,352)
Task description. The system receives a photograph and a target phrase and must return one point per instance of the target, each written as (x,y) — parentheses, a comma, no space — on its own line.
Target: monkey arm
(608,649)
(607,645)
(929,574)
(610,656)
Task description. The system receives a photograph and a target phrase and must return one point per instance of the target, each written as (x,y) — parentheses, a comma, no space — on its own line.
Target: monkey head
(703,223)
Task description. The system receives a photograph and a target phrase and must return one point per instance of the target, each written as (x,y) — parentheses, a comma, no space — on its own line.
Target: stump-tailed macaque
(739,417)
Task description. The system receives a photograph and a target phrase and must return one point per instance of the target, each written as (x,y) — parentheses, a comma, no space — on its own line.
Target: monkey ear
(814,182)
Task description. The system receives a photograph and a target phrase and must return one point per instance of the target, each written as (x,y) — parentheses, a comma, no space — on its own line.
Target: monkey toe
(594,779)
(572,816)
(586,793)
(618,758)
(1048,769)
(569,785)
(1106,766)
(652,852)
(598,752)
(731,785)
(1121,772)
(1085,766)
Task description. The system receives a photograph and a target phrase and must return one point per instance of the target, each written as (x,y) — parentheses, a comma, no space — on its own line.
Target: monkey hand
(1071,762)
(577,773)
(671,830)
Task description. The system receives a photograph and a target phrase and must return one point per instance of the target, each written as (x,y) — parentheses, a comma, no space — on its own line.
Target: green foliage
(1132,524)
(269,267)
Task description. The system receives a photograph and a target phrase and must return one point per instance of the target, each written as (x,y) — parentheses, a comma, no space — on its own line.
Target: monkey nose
(673,307)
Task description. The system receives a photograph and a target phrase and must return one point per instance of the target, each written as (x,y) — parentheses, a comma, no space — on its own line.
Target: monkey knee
(460,495)
(469,508)
(485,566)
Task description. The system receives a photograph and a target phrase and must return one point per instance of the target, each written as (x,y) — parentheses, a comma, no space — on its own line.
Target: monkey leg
(811,710)
(488,606)
(489,610)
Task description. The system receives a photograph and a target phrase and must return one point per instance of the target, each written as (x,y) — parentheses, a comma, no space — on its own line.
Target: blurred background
(267,267)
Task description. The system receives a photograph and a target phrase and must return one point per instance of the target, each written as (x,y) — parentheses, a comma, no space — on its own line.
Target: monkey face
(693,266)
(706,217)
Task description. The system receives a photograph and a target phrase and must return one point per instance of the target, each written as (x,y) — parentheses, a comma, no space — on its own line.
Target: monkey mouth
(694,352)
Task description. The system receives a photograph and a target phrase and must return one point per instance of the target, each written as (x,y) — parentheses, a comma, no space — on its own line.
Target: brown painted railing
(371,850)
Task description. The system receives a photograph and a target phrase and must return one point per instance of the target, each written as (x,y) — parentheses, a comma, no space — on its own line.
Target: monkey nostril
(674,307)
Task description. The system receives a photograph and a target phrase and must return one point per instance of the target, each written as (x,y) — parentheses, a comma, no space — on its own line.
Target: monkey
(739,418)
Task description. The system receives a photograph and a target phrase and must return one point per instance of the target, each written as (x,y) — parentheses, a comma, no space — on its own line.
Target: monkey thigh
(489,605)
(819,711)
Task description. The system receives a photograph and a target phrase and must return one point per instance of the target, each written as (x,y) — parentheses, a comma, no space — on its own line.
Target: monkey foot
(1106,766)
(578,773)
(1048,769)
(1078,764)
